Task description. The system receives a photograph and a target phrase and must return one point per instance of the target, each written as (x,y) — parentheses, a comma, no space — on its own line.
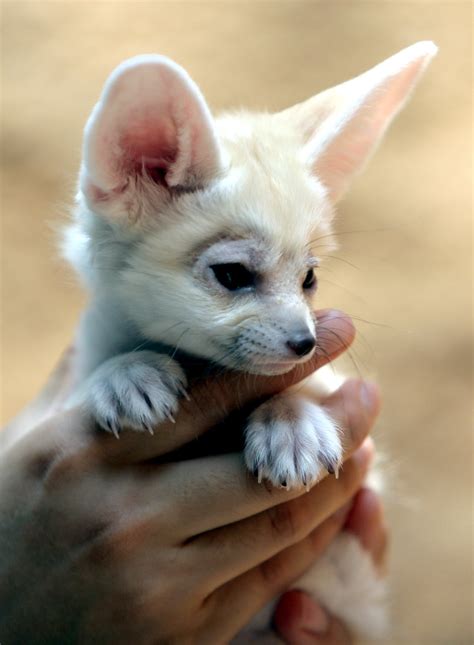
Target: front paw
(289,440)
(137,390)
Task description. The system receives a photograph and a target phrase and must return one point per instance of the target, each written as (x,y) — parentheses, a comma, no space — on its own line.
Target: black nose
(302,344)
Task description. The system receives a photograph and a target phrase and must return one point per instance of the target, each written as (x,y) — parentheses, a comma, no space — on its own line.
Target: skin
(106,541)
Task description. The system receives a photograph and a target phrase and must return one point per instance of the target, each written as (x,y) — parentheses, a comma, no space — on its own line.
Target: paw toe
(289,441)
(137,391)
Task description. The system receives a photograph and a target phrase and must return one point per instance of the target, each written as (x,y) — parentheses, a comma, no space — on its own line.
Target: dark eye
(310,280)
(234,276)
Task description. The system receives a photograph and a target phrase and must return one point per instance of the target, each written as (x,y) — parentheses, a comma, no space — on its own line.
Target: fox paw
(138,390)
(289,440)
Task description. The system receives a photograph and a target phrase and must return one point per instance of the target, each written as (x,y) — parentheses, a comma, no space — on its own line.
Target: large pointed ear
(150,134)
(342,126)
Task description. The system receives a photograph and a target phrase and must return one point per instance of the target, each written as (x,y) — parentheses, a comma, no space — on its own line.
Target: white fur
(290,439)
(138,390)
(345,581)
(166,193)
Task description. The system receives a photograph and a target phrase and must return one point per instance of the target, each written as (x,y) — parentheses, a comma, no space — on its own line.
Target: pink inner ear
(143,140)
(149,143)
(151,118)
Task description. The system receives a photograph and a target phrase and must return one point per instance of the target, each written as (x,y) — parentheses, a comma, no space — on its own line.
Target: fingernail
(369,397)
(315,619)
(329,314)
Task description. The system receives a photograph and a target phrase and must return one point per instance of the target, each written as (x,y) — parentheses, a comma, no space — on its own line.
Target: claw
(333,469)
(113,428)
(182,390)
(169,415)
(148,427)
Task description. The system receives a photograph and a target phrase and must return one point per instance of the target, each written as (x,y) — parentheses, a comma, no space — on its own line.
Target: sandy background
(411,212)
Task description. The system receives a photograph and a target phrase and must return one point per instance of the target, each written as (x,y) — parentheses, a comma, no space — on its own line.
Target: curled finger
(247,547)
(224,487)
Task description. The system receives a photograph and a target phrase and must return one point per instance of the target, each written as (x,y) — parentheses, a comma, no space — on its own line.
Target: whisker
(321,350)
(348,351)
(369,322)
(339,259)
(138,347)
(337,234)
(343,288)
(176,348)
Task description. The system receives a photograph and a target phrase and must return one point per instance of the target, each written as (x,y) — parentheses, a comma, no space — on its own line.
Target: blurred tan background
(405,227)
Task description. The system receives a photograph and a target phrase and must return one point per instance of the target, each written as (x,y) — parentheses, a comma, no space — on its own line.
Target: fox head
(205,232)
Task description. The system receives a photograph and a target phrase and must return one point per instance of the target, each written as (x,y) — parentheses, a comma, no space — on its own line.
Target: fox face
(205,233)
(228,272)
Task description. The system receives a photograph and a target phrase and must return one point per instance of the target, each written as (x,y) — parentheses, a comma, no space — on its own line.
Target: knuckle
(122,542)
(273,573)
(98,541)
(39,465)
(67,460)
(109,544)
(277,573)
(63,468)
(287,522)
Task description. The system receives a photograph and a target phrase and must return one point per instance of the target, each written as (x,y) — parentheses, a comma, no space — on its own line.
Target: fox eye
(234,276)
(310,280)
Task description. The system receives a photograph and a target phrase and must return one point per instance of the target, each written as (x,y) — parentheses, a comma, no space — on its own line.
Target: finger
(353,406)
(367,522)
(240,547)
(300,620)
(46,403)
(301,556)
(211,401)
(224,487)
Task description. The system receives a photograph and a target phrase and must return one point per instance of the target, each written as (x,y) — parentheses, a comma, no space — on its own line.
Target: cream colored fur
(169,200)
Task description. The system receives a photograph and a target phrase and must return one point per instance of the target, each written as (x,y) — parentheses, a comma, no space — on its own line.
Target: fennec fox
(202,235)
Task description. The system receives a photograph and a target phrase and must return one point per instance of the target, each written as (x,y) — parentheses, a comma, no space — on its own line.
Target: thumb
(300,620)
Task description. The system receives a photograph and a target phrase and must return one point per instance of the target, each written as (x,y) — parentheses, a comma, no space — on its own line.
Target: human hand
(100,544)
(300,620)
